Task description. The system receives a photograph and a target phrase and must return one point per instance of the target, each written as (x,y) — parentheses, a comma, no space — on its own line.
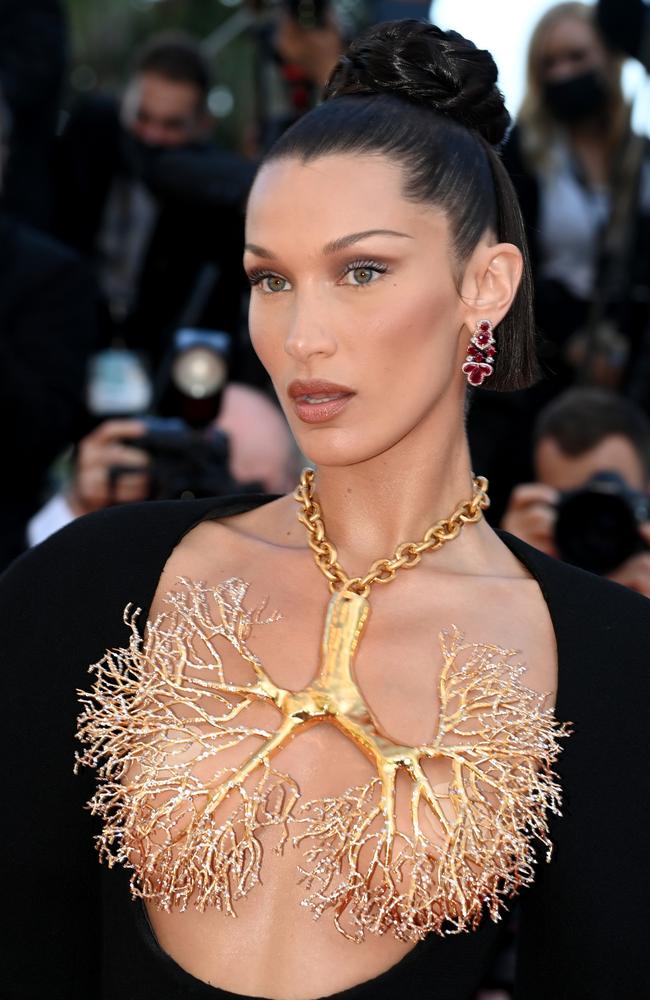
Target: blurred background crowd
(129,136)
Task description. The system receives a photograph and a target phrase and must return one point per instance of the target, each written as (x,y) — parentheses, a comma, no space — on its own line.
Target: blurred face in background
(568,48)
(615,453)
(577,79)
(162,112)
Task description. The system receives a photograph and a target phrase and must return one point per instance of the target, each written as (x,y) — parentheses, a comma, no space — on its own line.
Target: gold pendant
(336,695)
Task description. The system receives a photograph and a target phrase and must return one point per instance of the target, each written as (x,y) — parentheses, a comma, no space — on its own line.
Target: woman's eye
(269,282)
(274,283)
(363,274)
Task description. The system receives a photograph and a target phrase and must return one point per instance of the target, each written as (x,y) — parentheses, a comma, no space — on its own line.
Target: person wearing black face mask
(577,98)
(144,192)
(566,157)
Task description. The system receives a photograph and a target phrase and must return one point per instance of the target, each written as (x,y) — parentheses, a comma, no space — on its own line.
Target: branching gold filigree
(500,745)
(189,825)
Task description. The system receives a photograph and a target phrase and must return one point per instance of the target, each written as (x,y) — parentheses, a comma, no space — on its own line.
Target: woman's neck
(370,508)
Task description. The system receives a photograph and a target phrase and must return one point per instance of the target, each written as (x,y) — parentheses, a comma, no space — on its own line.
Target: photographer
(581,434)
(260,451)
(144,192)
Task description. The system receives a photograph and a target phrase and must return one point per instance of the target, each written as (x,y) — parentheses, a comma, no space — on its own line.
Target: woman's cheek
(263,336)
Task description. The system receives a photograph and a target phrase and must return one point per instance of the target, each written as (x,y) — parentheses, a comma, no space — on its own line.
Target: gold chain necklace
(406,556)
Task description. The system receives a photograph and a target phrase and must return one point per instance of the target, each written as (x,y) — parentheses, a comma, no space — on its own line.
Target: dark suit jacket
(200,193)
(73,932)
(33,57)
(47,332)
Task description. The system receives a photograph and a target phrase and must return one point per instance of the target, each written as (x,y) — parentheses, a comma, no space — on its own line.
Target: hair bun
(421,63)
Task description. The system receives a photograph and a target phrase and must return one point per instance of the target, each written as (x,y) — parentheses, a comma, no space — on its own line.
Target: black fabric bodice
(72,931)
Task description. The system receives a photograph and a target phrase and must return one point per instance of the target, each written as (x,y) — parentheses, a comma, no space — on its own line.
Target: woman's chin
(339,451)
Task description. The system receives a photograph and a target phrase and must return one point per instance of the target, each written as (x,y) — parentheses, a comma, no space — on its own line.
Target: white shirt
(571,220)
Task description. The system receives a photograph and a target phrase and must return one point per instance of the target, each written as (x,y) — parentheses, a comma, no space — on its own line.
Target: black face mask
(577,98)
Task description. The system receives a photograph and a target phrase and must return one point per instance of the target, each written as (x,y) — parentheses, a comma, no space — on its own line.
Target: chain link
(407,554)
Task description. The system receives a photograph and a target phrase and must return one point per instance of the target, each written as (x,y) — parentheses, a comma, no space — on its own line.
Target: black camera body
(189,455)
(185,462)
(597,526)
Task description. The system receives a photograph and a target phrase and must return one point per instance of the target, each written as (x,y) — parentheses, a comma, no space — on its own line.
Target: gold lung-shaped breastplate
(163,707)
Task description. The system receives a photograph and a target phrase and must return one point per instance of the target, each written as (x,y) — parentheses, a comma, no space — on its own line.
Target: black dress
(71,929)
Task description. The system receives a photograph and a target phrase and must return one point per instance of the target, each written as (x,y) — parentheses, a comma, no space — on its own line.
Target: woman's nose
(309,334)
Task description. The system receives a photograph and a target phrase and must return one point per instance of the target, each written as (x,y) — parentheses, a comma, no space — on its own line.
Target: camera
(189,456)
(185,462)
(597,525)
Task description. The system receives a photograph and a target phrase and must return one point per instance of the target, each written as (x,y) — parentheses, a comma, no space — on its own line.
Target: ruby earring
(479,363)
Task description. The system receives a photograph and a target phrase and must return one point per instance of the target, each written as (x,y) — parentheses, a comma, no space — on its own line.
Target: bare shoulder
(245,545)
(272,523)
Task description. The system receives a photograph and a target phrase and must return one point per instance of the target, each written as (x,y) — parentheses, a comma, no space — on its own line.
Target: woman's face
(354,311)
(570,47)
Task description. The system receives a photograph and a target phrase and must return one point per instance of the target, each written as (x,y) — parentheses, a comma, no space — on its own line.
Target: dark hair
(428,99)
(580,419)
(175,56)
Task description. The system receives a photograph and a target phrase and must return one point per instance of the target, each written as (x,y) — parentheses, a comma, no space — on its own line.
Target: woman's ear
(491,281)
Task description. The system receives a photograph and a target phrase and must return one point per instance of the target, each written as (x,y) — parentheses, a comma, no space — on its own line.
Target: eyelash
(258,276)
(255,277)
(369,265)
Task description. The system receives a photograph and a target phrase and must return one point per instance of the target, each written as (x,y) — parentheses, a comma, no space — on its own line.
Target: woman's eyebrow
(335,245)
(345,241)
(259,251)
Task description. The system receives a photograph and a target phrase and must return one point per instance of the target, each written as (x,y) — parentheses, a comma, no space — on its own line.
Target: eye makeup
(363,265)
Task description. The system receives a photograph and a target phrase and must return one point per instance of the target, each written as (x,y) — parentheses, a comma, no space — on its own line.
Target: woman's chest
(402,772)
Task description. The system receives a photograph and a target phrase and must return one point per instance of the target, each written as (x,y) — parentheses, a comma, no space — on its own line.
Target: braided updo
(428,100)
(439,70)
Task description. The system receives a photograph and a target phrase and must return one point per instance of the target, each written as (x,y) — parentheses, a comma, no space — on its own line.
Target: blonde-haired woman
(574,92)
(565,156)
(568,157)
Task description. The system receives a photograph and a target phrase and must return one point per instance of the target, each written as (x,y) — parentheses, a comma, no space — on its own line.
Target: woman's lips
(317,401)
